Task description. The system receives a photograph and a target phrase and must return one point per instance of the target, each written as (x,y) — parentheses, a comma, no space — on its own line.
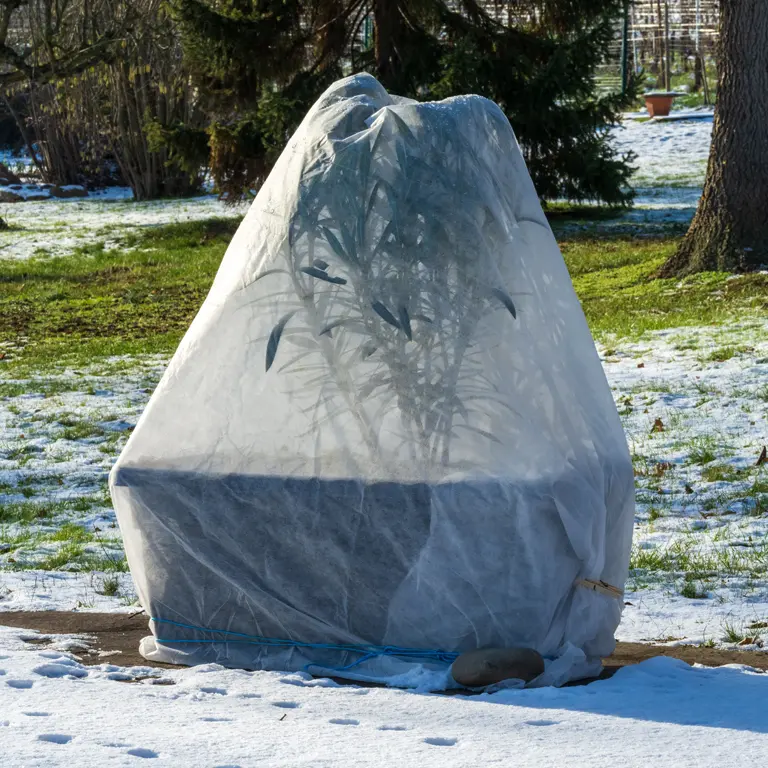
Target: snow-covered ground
(694,403)
(670,165)
(57,713)
(56,227)
(671,162)
(667,153)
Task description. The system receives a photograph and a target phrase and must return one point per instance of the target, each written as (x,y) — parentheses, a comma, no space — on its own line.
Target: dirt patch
(110,632)
(107,633)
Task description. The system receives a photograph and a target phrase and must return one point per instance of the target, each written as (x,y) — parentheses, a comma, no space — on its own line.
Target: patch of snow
(696,533)
(35,590)
(667,153)
(661,712)
(56,226)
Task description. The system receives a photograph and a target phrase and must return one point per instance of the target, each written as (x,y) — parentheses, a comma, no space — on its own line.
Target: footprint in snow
(216,719)
(540,722)
(2,671)
(218,691)
(440,741)
(55,738)
(392,728)
(285,704)
(141,752)
(60,670)
(19,683)
(36,714)
(344,721)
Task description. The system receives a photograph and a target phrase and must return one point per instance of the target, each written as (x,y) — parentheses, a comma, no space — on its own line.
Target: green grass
(27,512)
(721,354)
(110,586)
(67,554)
(96,303)
(78,429)
(703,450)
(73,533)
(140,298)
(71,555)
(684,557)
(616,283)
(40,386)
(732,635)
(691,591)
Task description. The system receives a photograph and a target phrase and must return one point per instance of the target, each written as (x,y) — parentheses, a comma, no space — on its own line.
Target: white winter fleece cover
(387,437)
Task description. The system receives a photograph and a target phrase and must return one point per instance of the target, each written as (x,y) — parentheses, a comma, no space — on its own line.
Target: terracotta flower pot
(659,104)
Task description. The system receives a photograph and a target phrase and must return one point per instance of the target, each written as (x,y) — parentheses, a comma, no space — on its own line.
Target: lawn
(139,297)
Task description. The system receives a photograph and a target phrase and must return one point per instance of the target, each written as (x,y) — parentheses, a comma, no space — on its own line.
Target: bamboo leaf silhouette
(385,314)
(274,337)
(336,246)
(321,275)
(405,322)
(337,323)
(270,272)
(505,299)
(479,431)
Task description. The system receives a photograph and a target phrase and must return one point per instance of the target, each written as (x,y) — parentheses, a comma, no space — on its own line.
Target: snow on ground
(671,163)
(37,590)
(59,436)
(694,403)
(56,227)
(668,153)
(55,712)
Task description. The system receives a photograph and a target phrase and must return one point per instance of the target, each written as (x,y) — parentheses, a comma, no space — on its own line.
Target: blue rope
(368,651)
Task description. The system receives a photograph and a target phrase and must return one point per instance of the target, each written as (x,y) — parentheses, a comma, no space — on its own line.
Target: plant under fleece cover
(387,437)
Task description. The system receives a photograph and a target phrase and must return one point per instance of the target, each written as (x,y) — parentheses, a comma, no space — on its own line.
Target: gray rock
(488,666)
(6,196)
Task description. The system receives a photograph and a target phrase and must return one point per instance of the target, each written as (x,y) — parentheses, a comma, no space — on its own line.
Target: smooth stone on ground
(488,666)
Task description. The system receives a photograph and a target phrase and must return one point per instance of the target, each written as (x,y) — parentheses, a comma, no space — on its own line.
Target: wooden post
(625,49)
(667,56)
(660,43)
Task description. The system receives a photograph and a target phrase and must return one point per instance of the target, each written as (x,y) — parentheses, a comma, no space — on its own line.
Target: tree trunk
(730,229)
(386,17)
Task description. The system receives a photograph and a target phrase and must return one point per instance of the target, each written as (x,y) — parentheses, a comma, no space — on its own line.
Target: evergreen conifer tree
(259,64)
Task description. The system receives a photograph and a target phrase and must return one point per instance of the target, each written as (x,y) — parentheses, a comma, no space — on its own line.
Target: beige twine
(602,587)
